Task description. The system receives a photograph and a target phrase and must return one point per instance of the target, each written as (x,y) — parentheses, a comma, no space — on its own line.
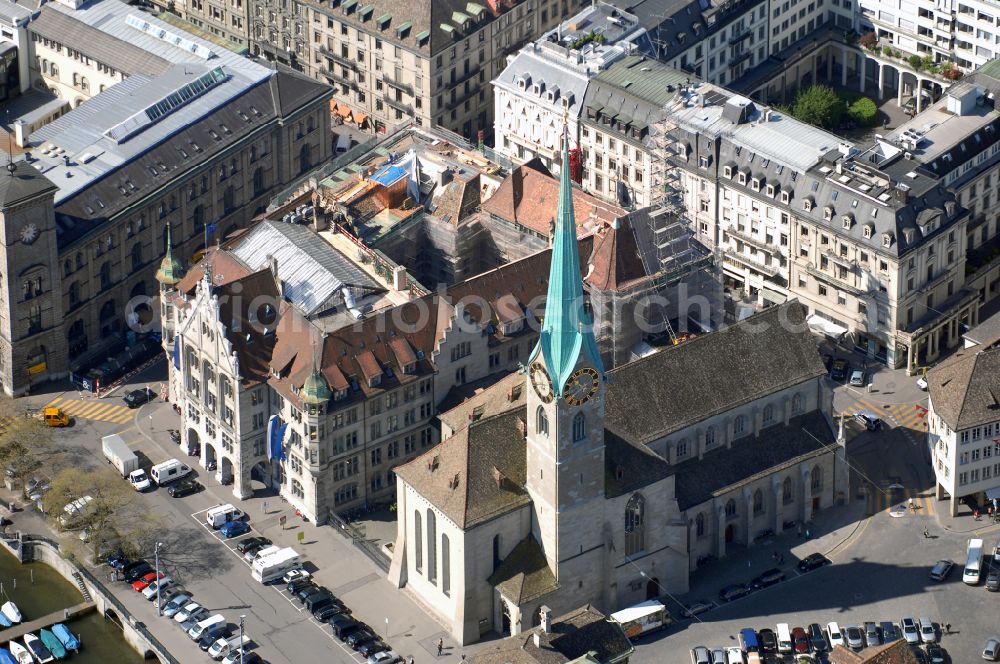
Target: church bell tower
(565,411)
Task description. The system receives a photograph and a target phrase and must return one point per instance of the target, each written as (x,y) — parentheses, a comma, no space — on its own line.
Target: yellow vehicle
(55,417)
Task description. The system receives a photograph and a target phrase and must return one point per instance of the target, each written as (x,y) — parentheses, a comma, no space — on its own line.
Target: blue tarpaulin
(177,352)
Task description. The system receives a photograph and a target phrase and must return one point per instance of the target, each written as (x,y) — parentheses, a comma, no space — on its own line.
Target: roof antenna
(11,167)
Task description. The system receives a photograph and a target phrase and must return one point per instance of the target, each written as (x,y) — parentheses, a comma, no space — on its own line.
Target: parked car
(137,398)
(910,630)
(358,637)
(184,488)
(189,610)
(941,570)
(248,657)
(853,636)
(993,581)
(384,657)
(697,607)
(890,632)
(297,573)
(234,528)
(835,635)
(250,554)
(116,557)
(308,591)
(133,566)
(251,542)
(196,616)
(733,591)
(768,641)
(295,585)
(343,625)
(991,651)
(718,656)
(927,632)
(149,592)
(326,613)
(871,635)
(700,655)
(369,648)
(143,581)
(935,653)
(816,638)
(840,370)
(176,603)
(800,641)
(858,378)
(922,383)
(768,578)
(812,561)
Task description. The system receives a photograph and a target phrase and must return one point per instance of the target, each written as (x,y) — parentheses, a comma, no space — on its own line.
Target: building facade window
(418,554)
(635,525)
(579,427)
(816,479)
(445,565)
(541,422)
(431,546)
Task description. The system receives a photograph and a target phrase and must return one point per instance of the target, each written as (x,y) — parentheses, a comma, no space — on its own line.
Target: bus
(973,562)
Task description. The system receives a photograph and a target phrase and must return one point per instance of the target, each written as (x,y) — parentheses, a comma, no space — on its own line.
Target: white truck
(219,514)
(275,565)
(643,617)
(119,455)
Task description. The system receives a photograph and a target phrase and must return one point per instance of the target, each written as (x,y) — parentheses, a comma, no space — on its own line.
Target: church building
(569,484)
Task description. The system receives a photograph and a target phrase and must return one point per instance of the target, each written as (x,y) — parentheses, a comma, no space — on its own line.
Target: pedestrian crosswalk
(884,499)
(94,409)
(908,415)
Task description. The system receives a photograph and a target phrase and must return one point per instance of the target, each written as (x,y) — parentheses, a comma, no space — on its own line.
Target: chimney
(21,133)
(902,192)
(400,281)
(546,614)
(536,638)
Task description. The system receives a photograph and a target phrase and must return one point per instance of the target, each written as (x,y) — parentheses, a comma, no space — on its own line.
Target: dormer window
(375,381)
(770,190)
(704,161)
(867,232)
(742,178)
(807,204)
(887,239)
(828,213)
(410,368)
(755,183)
(552,94)
(848,221)
(523,82)
(728,171)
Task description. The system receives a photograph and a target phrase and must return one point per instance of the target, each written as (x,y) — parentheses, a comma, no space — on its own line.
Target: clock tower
(565,442)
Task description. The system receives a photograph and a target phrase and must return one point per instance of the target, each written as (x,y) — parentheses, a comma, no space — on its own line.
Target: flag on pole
(210,229)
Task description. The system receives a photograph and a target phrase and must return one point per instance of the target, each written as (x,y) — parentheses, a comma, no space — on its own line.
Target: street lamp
(156,553)
(242,618)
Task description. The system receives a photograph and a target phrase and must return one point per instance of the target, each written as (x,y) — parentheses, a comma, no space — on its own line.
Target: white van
(784,638)
(199,629)
(225,645)
(219,514)
(973,562)
(169,471)
(734,655)
(836,636)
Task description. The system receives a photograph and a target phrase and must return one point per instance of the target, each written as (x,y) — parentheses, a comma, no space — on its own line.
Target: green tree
(819,105)
(25,444)
(863,111)
(869,40)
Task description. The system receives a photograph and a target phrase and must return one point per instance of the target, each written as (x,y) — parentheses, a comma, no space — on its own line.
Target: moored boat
(6,657)
(38,649)
(20,653)
(54,645)
(10,610)
(4,620)
(67,637)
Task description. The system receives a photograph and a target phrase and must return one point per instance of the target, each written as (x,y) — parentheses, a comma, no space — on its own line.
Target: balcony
(402,87)
(334,76)
(339,58)
(836,282)
(461,99)
(453,82)
(752,241)
(740,36)
(407,109)
(740,57)
(746,262)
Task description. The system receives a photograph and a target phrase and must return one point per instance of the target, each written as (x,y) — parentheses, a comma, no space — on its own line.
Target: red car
(144,581)
(800,639)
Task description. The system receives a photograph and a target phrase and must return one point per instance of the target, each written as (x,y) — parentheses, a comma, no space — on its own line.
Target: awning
(344,111)
(993,493)
(333,106)
(774,296)
(824,326)
(360,118)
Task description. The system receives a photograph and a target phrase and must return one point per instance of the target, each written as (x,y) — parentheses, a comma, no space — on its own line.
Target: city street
(206,564)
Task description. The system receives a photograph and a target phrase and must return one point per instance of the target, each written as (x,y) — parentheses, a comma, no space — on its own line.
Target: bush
(952,73)
(915,62)
(886,51)
(818,105)
(869,40)
(864,112)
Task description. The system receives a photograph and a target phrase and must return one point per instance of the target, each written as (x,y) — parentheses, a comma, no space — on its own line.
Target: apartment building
(963,425)
(14,18)
(868,239)
(229,21)
(541,92)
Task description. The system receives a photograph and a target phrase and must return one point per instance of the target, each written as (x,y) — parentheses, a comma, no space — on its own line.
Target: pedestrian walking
(66,614)
(264,507)
(463,658)
(410,660)
(926,534)
(947,628)
(440,646)
(912,507)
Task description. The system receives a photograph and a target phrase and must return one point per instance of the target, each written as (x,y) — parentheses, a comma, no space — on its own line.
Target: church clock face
(541,382)
(582,386)
(29,234)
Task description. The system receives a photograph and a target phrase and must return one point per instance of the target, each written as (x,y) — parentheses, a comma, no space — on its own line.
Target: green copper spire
(315,390)
(171,271)
(566,329)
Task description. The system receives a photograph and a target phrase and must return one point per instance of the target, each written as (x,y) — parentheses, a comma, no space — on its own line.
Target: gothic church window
(635,525)
(579,427)
(541,421)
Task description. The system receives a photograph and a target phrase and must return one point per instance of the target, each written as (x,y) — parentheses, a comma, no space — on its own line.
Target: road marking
(101,411)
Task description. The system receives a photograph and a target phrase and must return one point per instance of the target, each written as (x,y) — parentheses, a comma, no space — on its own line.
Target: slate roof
(572,636)
(720,470)
(965,388)
(712,374)
(127,58)
(252,346)
(529,195)
(629,467)
(986,333)
(476,475)
(674,26)
(524,575)
(470,402)
(24,183)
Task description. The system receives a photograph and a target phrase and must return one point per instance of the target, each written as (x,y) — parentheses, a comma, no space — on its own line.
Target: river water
(39,590)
